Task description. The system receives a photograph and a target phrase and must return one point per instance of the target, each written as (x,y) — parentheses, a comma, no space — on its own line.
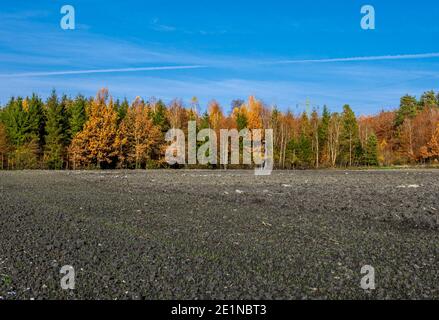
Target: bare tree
(334,130)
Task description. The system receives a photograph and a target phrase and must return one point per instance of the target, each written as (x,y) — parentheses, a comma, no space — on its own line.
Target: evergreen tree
(299,151)
(304,150)
(36,120)
(428,100)
(371,151)
(324,126)
(350,142)
(158,116)
(57,132)
(323,134)
(204,122)
(16,121)
(408,109)
(77,115)
(121,109)
(24,121)
(241,121)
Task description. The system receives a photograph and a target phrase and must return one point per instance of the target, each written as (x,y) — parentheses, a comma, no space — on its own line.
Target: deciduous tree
(431,150)
(95,145)
(254,113)
(4,145)
(334,132)
(138,139)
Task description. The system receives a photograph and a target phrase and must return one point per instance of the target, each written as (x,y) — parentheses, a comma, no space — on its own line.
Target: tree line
(99,132)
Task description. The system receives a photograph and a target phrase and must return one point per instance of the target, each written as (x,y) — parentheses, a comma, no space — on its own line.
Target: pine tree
(37,120)
(121,109)
(371,151)
(408,109)
(324,126)
(77,115)
(304,149)
(428,100)
(14,119)
(240,115)
(159,119)
(350,142)
(24,122)
(158,116)
(323,134)
(57,132)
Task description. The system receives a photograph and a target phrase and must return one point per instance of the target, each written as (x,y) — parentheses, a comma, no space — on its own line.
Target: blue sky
(228,50)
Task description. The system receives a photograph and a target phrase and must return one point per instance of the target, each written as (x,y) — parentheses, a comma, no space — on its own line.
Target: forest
(103,133)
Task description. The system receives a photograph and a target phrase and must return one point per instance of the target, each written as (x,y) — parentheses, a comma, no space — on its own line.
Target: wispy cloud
(74,72)
(367,58)
(157,26)
(102,60)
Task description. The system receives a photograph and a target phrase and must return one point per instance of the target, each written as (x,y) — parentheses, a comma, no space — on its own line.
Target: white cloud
(76,72)
(366,58)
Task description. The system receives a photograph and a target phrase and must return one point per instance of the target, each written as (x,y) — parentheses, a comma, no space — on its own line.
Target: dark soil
(219,235)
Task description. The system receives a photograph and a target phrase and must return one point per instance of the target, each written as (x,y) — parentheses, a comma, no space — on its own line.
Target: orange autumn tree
(215,115)
(431,150)
(216,121)
(240,117)
(177,115)
(138,139)
(95,145)
(254,113)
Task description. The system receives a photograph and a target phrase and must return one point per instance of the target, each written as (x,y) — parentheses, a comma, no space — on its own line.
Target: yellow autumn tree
(215,115)
(138,140)
(240,117)
(254,113)
(176,115)
(95,144)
